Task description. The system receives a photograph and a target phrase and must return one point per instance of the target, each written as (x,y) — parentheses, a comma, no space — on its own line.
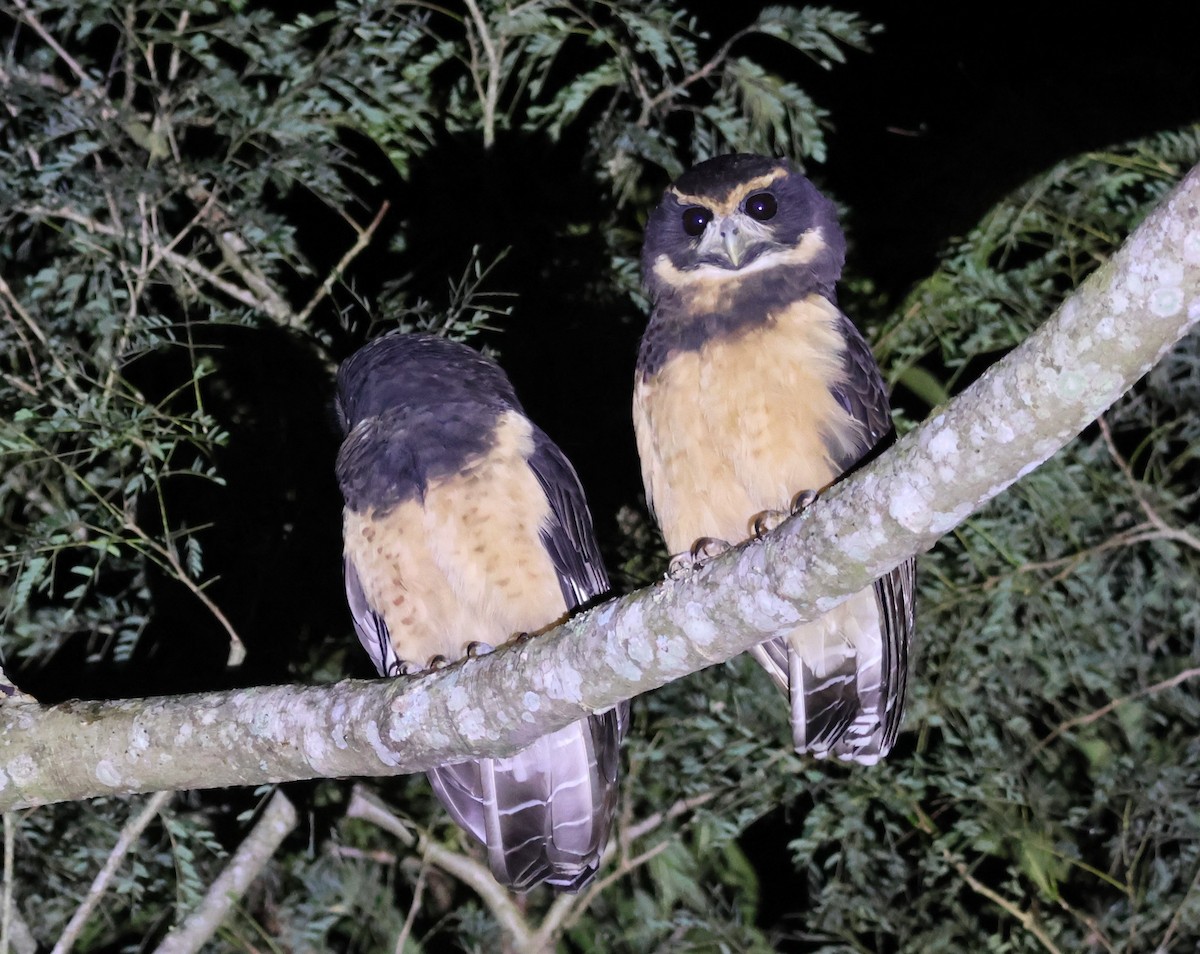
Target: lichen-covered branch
(1030,404)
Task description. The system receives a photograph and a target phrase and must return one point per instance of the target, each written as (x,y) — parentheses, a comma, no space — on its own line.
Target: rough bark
(1030,404)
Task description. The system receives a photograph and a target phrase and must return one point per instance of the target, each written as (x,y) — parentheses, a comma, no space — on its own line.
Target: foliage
(999,282)
(178,856)
(196,224)
(649,82)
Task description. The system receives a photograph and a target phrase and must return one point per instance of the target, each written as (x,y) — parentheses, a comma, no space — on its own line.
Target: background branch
(14,932)
(128,838)
(277,820)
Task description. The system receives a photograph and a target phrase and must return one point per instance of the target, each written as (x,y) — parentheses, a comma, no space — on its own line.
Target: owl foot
(685,564)
(763,523)
(803,500)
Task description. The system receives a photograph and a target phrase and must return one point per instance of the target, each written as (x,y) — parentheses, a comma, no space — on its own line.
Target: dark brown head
(734,241)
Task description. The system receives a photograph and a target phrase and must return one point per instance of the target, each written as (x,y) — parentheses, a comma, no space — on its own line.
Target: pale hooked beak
(725,243)
(734,241)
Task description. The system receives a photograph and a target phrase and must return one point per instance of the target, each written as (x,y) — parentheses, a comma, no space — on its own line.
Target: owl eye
(696,219)
(761,206)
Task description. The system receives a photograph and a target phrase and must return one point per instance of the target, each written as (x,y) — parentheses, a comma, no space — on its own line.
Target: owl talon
(438,662)
(763,523)
(685,564)
(680,566)
(803,500)
(476,648)
(706,548)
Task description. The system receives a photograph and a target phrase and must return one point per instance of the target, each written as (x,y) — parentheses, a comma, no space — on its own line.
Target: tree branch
(14,932)
(1112,705)
(1097,345)
(493,51)
(363,240)
(1135,486)
(566,908)
(277,820)
(127,839)
(48,38)
(1026,918)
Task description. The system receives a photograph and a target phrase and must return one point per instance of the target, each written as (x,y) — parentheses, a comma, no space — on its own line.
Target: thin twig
(1177,918)
(126,840)
(701,72)
(1026,919)
(73,64)
(183,262)
(567,909)
(277,820)
(9,864)
(129,26)
(1075,723)
(1142,533)
(1135,486)
(236,292)
(70,215)
(161,251)
(233,248)
(1155,527)
(36,331)
(176,59)
(237,648)
(491,94)
(680,807)
(1095,935)
(364,239)
(387,858)
(413,908)
(14,932)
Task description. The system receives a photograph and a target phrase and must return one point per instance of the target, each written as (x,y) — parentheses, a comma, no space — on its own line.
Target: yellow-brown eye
(696,219)
(761,206)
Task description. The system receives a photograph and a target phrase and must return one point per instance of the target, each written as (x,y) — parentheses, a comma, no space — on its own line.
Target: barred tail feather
(824,706)
(896,594)
(845,674)
(544,813)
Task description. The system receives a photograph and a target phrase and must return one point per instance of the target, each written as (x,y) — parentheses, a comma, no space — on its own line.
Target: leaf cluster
(58,853)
